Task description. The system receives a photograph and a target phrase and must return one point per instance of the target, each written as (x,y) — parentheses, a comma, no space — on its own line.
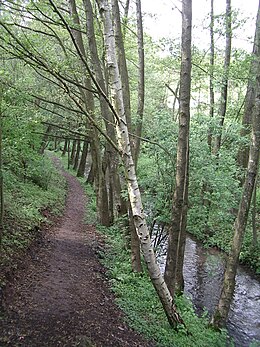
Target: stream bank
(203,273)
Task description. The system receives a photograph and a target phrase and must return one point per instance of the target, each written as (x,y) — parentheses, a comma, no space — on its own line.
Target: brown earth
(62,297)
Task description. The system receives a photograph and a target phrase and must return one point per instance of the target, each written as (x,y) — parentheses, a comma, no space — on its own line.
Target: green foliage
(214,188)
(250,253)
(135,295)
(25,205)
(214,191)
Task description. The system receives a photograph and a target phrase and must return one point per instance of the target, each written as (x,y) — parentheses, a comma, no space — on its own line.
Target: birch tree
(122,65)
(130,174)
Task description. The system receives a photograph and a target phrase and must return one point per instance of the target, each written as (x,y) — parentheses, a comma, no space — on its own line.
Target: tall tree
(76,159)
(100,184)
(140,105)
(243,152)
(211,75)
(176,241)
(224,88)
(122,65)
(116,202)
(127,158)
(83,159)
(1,169)
(222,310)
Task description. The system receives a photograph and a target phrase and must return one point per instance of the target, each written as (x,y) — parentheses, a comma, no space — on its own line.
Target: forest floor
(61,297)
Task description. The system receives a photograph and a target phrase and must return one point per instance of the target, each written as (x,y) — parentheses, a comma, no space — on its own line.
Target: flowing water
(203,273)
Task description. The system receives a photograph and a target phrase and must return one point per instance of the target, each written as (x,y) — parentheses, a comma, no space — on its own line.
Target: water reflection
(203,273)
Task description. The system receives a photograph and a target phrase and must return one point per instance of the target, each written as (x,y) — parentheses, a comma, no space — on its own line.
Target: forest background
(59,84)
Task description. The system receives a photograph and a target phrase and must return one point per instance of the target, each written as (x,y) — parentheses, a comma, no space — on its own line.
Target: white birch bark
(132,184)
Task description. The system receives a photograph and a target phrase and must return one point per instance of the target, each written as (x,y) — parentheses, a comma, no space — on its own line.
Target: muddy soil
(62,297)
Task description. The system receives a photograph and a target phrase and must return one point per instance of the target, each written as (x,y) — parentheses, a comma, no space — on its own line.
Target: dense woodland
(169,142)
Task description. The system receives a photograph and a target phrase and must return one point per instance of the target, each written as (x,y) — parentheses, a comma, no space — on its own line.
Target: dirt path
(62,298)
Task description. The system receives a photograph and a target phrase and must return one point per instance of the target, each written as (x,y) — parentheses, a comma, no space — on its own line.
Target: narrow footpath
(62,298)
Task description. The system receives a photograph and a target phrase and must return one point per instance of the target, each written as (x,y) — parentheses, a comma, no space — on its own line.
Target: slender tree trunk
(254,228)
(122,62)
(65,148)
(177,233)
(1,174)
(220,316)
(73,152)
(83,160)
(140,106)
(76,160)
(110,152)
(56,142)
(100,183)
(135,246)
(132,184)
(211,75)
(45,139)
(125,19)
(68,154)
(91,176)
(243,152)
(224,89)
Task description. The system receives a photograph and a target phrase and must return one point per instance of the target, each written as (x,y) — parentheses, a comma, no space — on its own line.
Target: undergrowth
(135,295)
(27,204)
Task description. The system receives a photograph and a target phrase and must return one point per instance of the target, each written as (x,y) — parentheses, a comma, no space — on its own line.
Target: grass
(136,297)
(25,204)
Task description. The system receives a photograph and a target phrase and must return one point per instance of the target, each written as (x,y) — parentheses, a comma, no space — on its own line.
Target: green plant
(25,202)
(135,295)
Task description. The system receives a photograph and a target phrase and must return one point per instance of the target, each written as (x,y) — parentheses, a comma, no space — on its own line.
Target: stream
(203,273)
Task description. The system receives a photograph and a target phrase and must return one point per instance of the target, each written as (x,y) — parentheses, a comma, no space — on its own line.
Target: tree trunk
(45,139)
(68,155)
(132,184)
(76,160)
(243,153)
(83,160)
(56,142)
(100,184)
(65,148)
(140,106)
(211,75)
(110,152)
(122,62)
(135,247)
(224,89)
(1,175)
(73,152)
(254,227)
(220,316)
(177,233)
(125,18)
(90,179)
